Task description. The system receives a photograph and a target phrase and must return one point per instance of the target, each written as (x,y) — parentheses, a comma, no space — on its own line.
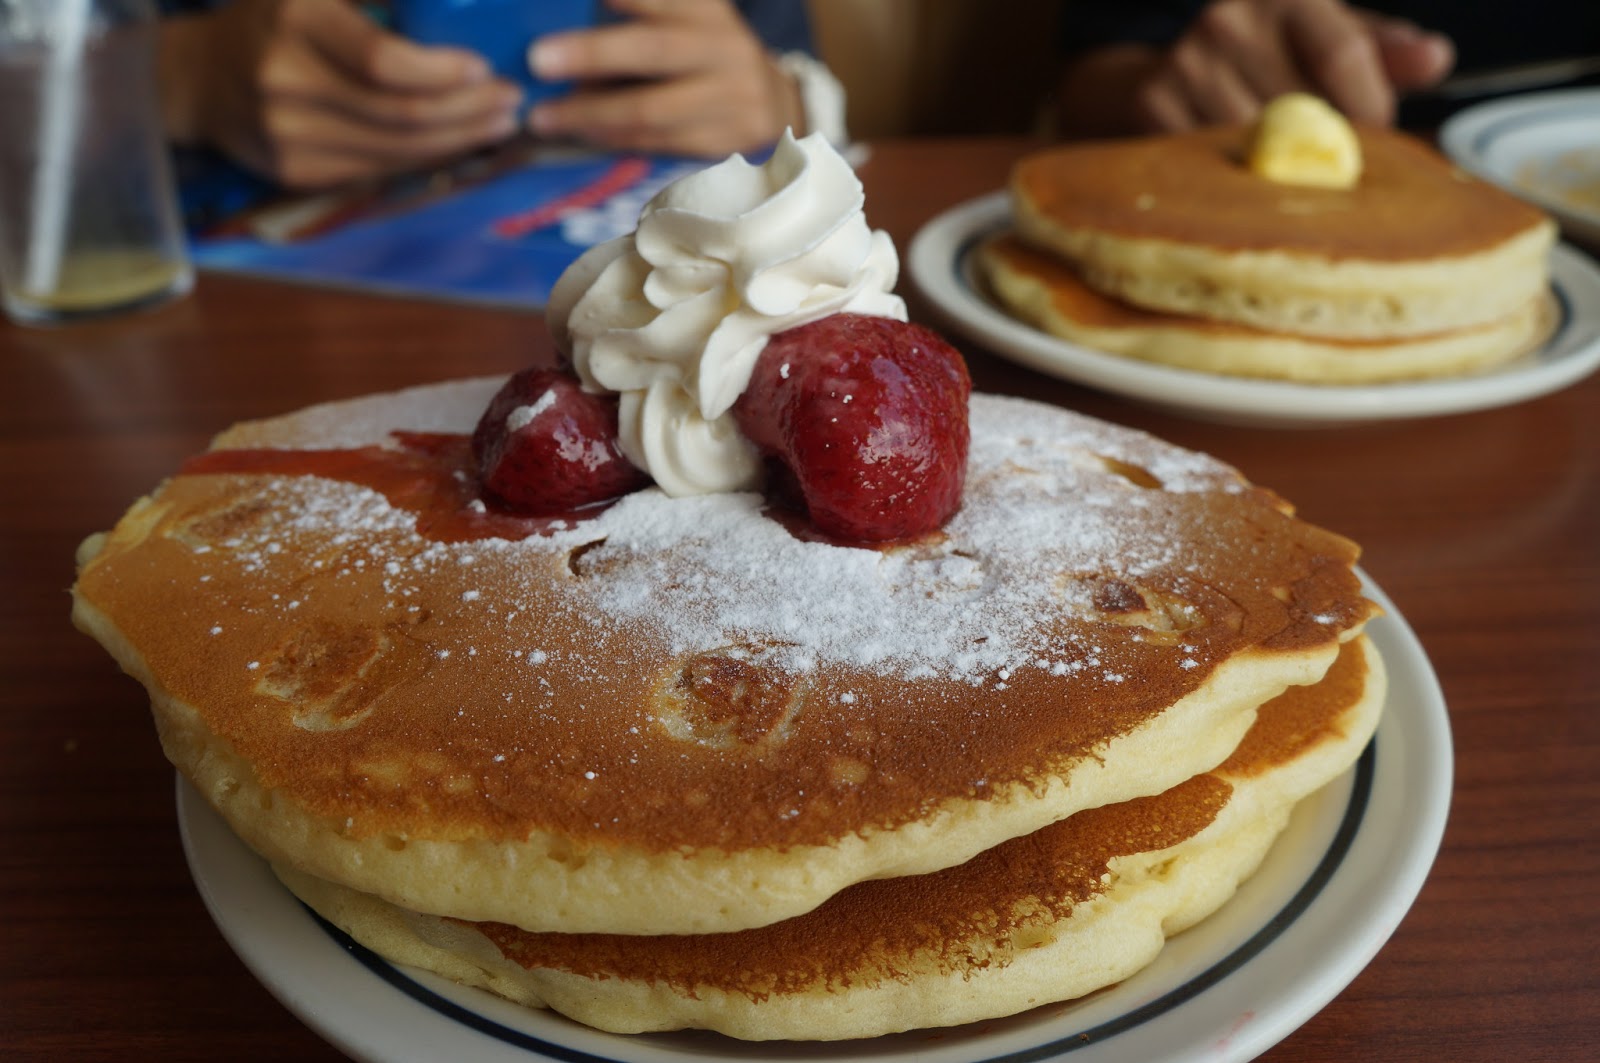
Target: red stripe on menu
(622,175)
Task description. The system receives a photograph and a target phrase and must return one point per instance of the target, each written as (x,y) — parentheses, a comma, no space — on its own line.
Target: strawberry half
(545,446)
(865,419)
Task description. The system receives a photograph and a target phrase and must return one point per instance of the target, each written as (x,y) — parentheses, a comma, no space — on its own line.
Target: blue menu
(501,239)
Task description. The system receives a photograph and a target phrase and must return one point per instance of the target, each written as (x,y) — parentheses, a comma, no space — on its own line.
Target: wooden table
(1483,528)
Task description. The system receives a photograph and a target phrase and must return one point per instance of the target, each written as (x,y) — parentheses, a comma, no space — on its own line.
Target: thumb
(1412,57)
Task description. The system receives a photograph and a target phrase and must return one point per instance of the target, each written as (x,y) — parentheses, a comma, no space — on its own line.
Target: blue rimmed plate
(940,260)
(1330,893)
(1544,147)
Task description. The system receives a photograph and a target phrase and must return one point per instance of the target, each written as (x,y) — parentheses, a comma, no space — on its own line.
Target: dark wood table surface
(1484,528)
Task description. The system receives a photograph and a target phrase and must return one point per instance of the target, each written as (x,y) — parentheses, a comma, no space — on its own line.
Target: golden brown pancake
(688,715)
(1180,224)
(1073,907)
(1042,289)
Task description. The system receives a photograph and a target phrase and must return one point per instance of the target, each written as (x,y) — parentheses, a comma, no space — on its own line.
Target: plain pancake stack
(589,763)
(1172,250)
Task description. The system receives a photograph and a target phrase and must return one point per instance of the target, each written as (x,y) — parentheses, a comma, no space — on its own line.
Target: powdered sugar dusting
(1040,502)
(1050,496)
(1048,493)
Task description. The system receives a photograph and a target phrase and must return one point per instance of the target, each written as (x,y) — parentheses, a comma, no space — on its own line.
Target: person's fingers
(701,12)
(1338,53)
(1161,106)
(688,116)
(624,116)
(1213,89)
(661,38)
(300,140)
(1413,58)
(683,76)
(1248,37)
(303,168)
(301,77)
(628,50)
(369,53)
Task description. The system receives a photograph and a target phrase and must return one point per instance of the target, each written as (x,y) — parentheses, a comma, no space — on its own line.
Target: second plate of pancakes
(941,262)
(1331,892)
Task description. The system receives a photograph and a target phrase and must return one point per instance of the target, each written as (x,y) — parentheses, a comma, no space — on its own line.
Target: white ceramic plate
(1331,892)
(1544,147)
(940,260)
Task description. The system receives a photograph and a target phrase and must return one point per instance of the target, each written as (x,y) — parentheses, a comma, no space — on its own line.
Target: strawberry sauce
(429,474)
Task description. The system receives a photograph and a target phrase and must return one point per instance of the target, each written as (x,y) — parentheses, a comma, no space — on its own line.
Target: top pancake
(679,715)
(1168,221)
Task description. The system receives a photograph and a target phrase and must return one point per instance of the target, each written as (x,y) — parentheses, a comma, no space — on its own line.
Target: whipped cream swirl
(673,316)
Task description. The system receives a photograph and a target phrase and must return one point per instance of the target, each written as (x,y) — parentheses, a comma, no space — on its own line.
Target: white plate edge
(1459,135)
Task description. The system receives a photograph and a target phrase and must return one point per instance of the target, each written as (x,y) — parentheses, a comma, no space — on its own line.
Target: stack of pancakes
(1173,250)
(679,763)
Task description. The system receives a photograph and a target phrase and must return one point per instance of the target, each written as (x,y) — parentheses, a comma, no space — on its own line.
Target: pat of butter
(1301,140)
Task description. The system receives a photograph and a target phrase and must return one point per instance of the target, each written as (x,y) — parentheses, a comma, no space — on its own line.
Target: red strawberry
(545,446)
(866,419)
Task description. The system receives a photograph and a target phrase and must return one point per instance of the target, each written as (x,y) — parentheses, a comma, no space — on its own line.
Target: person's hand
(677,76)
(312,93)
(1239,54)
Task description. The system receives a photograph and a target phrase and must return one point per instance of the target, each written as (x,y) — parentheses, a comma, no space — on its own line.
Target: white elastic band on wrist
(821,96)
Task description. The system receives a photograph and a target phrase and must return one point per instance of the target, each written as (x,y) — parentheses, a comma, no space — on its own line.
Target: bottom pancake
(1050,916)
(1042,290)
